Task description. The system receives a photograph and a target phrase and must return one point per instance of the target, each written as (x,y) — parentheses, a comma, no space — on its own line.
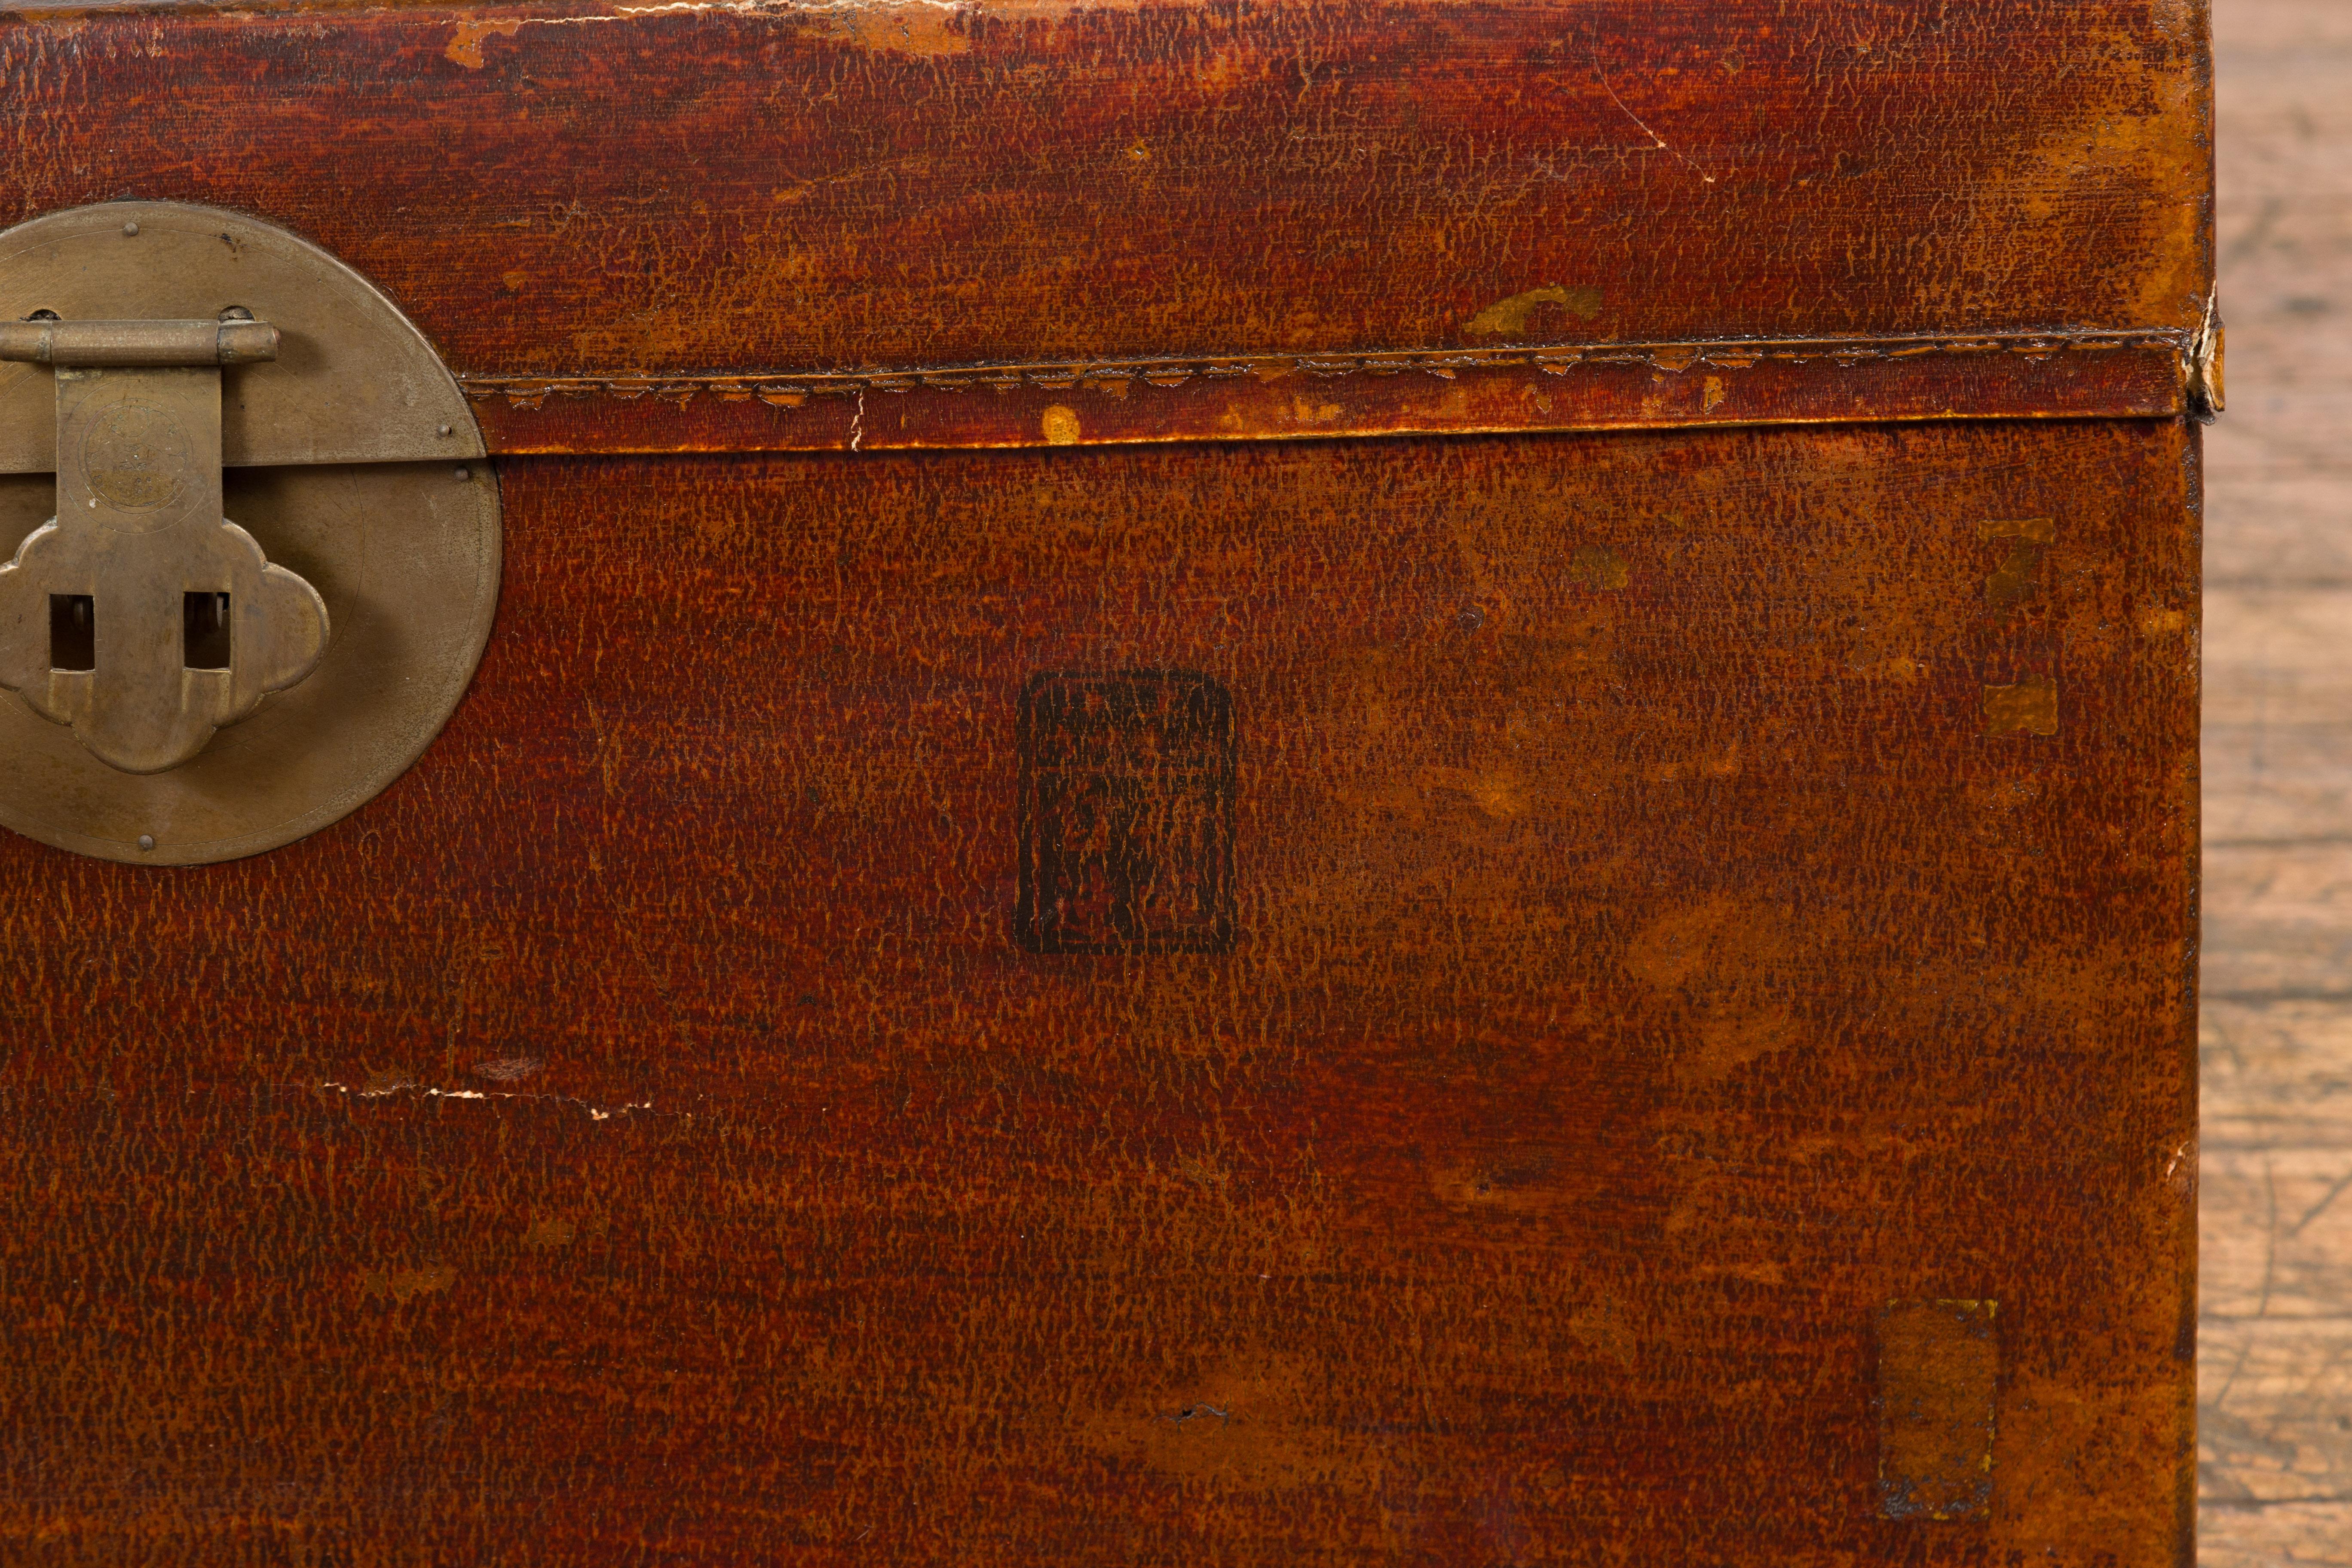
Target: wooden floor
(2276,1350)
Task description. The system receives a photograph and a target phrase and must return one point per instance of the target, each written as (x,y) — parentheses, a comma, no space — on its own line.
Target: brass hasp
(139,615)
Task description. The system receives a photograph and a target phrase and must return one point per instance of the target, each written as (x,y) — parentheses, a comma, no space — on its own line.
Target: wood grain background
(2275,1426)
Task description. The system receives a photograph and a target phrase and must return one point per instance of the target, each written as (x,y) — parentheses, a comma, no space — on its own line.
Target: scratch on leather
(467,39)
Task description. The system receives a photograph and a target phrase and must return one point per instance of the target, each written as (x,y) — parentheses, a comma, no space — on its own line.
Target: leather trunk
(1345,781)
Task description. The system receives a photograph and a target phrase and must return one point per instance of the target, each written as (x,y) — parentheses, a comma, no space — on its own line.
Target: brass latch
(163,368)
(139,615)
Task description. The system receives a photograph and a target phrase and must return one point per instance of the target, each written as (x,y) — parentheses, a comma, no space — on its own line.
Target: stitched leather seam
(788,391)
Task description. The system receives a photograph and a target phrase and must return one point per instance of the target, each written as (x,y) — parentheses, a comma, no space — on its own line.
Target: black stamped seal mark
(1126,813)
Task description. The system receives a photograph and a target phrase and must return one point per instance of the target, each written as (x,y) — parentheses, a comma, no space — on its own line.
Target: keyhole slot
(73,632)
(205,631)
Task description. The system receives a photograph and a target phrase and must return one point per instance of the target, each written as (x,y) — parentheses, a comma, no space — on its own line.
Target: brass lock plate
(248,591)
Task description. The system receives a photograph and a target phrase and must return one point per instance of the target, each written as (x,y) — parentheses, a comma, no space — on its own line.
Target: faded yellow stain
(923,30)
(1710,1212)
(1695,944)
(549,1232)
(1999,813)
(1733,1037)
(1308,412)
(465,41)
(2014,581)
(1254,1422)
(1202,1172)
(1500,795)
(2028,707)
(1693,1208)
(2120,177)
(1517,1180)
(1715,762)
(1721,957)
(1603,1329)
(514,281)
(1712,396)
(403,1285)
(2081,1444)
(2006,795)
(1506,317)
(1061,424)
(2157,622)
(1599,568)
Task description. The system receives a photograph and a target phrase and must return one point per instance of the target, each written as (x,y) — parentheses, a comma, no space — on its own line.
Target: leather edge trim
(1602,386)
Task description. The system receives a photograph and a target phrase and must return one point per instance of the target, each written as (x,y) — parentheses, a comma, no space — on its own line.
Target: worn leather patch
(1938,1365)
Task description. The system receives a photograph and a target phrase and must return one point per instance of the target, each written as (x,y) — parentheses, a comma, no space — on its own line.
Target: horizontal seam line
(1715,352)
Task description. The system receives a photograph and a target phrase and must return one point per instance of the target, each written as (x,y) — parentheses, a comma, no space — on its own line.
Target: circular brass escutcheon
(338,460)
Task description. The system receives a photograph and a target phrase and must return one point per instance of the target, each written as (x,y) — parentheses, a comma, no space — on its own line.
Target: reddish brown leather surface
(1647,964)
(573,190)
(1661,902)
